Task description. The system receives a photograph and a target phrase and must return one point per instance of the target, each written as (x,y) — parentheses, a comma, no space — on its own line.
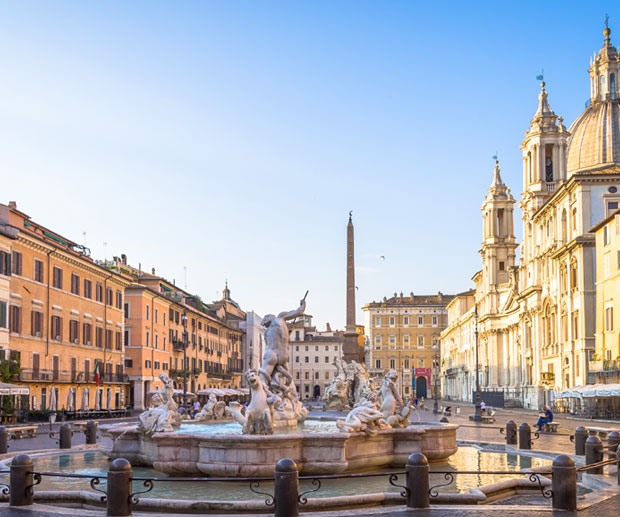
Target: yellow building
(403,335)
(605,366)
(65,319)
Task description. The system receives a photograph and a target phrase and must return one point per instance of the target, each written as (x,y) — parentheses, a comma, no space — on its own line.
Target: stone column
(351,348)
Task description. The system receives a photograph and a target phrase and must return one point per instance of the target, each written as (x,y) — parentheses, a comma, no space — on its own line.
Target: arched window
(612,85)
(564,226)
(602,91)
(573,274)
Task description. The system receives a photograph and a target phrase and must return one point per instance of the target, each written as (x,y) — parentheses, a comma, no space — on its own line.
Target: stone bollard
(4,440)
(594,453)
(525,436)
(65,436)
(286,488)
(91,432)
(21,481)
(511,432)
(417,481)
(119,488)
(580,436)
(564,483)
(444,420)
(613,440)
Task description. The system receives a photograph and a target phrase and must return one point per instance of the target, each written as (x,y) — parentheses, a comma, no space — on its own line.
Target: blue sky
(232,138)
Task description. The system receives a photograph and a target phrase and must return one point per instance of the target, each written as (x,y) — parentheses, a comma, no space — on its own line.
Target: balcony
(77,376)
(547,377)
(178,346)
(605,367)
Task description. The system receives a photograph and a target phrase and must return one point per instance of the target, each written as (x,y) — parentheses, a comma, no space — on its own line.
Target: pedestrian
(483,407)
(421,402)
(196,407)
(415,402)
(544,417)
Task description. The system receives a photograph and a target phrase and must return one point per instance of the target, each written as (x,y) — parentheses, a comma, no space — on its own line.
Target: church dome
(595,135)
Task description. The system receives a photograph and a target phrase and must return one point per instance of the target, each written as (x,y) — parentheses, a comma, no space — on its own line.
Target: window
(17,262)
(56,328)
(99,337)
(88,289)
(119,300)
(108,296)
(316,348)
(327,348)
(57,277)
(75,284)
(316,358)
(164,318)
(575,324)
(148,312)
(306,359)
(421,363)
(128,362)
(392,341)
(307,376)
(296,358)
(86,333)
(326,376)
(377,321)
(612,206)
(406,340)
(3,319)
(157,340)
(157,365)
(406,364)
(108,339)
(74,331)
(609,319)
(420,341)
(406,321)
(605,235)
(38,270)
(99,292)
(117,340)
(5,263)
(36,323)
(434,321)
(147,364)
(15,318)
(148,336)
(327,359)
(377,363)
(420,321)
(392,363)
(297,335)
(378,342)
(126,310)
(392,321)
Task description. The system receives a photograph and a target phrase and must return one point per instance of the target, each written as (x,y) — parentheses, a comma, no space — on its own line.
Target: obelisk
(351,347)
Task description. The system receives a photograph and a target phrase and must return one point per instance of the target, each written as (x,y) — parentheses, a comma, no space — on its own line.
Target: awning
(590,391)
(221,392)
(13,389)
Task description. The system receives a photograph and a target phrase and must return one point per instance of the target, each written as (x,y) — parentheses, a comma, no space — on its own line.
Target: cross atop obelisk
(351,347)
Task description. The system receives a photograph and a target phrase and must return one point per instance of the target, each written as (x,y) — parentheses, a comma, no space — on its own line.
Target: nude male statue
(275,358)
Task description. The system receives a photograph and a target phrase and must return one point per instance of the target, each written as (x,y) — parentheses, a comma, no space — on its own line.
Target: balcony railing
(607,366)
(178,346)
(547,376)
(76,376)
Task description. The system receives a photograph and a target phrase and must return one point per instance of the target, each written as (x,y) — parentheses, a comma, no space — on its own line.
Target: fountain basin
(235,455)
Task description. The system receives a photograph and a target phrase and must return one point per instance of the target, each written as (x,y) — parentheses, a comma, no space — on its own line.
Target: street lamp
(184,320)
(436,359)
(477,414)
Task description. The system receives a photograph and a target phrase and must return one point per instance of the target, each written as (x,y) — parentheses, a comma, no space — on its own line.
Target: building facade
(313,354)
(65,320)
(605,364)
(537,318)
(403,334)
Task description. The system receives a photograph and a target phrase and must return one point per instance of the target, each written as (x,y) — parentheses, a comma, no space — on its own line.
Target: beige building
(403,334)
(537,318)
(605,364)
(312,356)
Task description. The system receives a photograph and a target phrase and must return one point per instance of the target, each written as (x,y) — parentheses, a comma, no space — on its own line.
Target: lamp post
(477,414)
(184,320)
(436,359)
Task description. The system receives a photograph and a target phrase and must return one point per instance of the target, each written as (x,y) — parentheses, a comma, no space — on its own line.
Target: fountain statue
(391,397)
(365,417)
(212,410)
(351,382)
(162,416)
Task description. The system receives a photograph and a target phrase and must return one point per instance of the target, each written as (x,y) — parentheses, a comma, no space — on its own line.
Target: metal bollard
(286,488)
(564,483)
(65,436)
(581,433)
(417,481)
(511,432)
(91,432)
(119,488)
(594,453)
(525,436)
(613,440)
(4,440)
(21,481)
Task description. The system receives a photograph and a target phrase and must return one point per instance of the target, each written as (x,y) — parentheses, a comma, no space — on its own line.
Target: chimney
(13,205)
(328,327)
(153,271)
(124,259)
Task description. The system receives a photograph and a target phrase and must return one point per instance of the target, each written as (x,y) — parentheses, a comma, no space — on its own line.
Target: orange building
(65,319)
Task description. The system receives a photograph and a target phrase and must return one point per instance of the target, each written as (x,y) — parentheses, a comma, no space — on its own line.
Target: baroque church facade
(535,320)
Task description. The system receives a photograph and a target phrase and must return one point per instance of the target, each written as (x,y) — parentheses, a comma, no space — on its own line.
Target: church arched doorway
(420,386)
(317,391)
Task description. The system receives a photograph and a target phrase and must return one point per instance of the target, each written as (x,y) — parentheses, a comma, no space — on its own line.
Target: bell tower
(498,239)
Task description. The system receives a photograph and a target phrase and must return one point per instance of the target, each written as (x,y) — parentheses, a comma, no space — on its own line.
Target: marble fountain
(375,434)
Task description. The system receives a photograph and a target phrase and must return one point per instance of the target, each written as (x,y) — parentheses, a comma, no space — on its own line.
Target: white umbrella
(70,400)
(108,399)
(98,400)
(84,399)
(52,404)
